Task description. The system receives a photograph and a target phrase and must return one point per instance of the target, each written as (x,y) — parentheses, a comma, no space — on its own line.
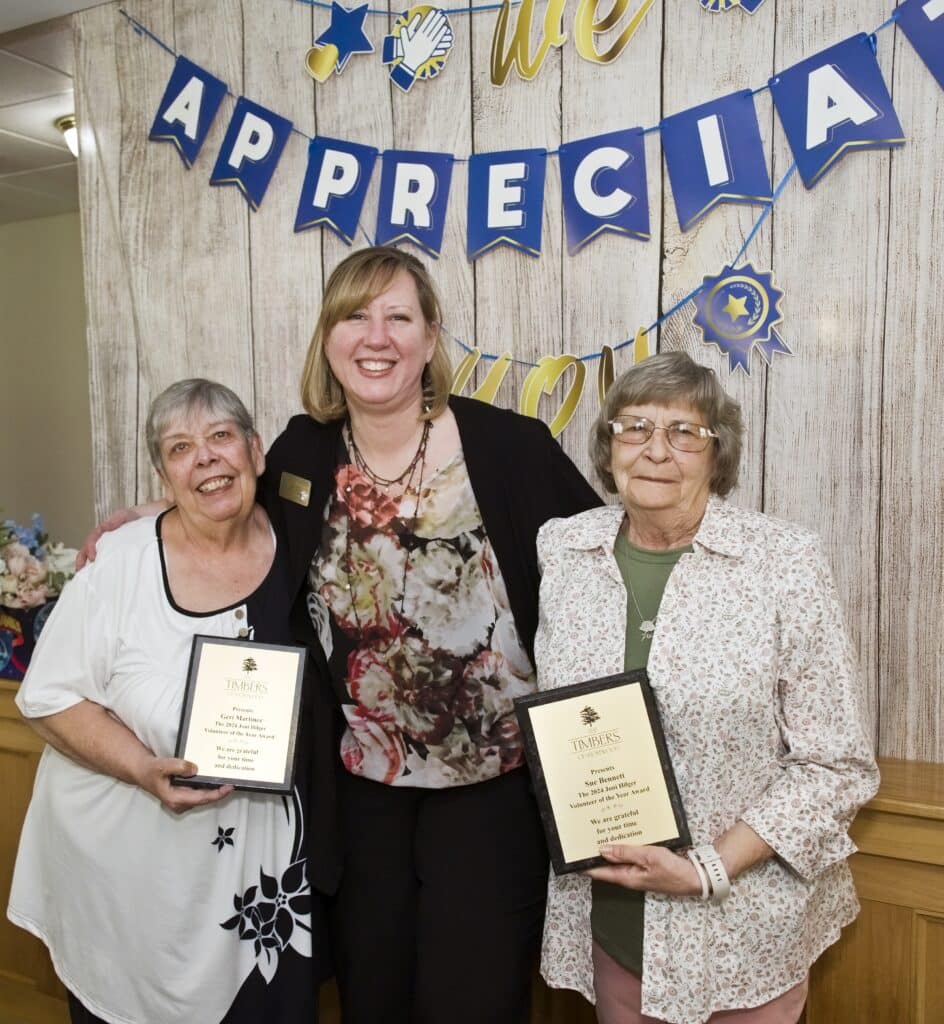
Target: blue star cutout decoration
(346,32)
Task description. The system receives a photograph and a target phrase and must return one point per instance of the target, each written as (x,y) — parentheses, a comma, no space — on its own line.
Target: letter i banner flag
(187,109)
(414,192)
(922,21)
(714,154)
(506,201)
(335,186)
(251,149)
(603,183)
(833,102)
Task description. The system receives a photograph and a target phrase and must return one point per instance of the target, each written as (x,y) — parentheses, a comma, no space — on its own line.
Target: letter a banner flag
(922,21)
(506,201)
(714,154)
(414,192)
(603,184)
(335,186)
(833,102)
(187,109)
(251,149)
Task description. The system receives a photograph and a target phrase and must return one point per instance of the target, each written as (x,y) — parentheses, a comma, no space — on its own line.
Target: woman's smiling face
(655,477)
(378,352)
(209,467)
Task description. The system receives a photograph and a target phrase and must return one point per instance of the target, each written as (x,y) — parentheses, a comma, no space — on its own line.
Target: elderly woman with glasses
(736,619)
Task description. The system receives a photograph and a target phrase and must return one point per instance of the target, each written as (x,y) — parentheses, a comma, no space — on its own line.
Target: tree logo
(249,665)
(588,716)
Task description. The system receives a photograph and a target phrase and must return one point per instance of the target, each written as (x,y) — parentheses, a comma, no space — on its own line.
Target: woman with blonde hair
(410,518)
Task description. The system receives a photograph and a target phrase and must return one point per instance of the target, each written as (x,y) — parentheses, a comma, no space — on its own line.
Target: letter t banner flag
(506,201)
(251,149)
(187,109)
(832,102)
(603,184)
(335,186)
(922,21)
(414,191)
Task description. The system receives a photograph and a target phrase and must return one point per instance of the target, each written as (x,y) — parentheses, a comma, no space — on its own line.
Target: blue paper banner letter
(251,149)
(414,191)
(187,109)
(506,201)
(922,21)
(335,186)
(833,102)
(603,180)
(714,154)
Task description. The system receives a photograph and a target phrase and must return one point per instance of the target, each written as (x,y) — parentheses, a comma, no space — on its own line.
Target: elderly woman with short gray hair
(735,616)
(159,903)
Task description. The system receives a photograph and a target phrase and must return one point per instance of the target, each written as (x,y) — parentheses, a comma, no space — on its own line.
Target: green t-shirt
(617,914)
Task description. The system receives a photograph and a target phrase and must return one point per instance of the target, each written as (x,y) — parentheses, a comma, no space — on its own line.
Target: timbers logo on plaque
(240,714)
(601,769)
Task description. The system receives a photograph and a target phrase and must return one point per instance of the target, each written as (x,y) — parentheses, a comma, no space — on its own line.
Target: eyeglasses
(683,437)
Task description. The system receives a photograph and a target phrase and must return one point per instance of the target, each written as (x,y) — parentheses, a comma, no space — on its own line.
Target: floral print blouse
(761,707)
(413,614)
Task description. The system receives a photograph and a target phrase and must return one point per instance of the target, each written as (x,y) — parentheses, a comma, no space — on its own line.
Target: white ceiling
(17,13)
(37,171)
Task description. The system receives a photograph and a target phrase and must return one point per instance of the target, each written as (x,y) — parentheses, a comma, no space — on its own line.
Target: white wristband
(715,870)
(702,877)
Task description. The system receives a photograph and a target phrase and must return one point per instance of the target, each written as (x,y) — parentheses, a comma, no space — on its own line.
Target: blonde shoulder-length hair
(354,282)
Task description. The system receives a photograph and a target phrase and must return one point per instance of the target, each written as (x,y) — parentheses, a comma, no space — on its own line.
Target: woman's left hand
(648,868)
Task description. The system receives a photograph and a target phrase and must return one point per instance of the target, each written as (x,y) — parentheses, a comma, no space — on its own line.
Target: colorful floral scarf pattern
(435,660)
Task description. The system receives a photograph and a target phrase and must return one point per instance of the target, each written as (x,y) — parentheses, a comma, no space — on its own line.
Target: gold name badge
(295,488)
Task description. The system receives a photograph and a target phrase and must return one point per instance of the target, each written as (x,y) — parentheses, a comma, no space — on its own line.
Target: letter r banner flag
(414,193)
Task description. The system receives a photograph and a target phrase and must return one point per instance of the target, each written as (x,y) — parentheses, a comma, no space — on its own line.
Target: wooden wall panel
(877,952)
(435,118)
(285,267)
(518,299)
(611,287)
(725,66)
(357,106)
(821,463)
(112,328)
(911,514)
(840,436)
(929,955)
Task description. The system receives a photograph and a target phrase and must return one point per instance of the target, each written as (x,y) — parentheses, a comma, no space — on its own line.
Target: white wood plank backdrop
(183,279)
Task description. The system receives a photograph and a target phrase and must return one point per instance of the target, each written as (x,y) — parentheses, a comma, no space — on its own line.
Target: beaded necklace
(413,471)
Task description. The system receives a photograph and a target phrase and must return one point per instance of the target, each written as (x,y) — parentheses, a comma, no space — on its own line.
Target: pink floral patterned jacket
(760,701)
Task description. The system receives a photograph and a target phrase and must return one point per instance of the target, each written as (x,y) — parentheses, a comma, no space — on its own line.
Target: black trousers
(438,918)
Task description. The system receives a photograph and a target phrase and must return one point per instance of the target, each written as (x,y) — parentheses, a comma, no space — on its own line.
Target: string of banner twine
(327,5)
(141,29)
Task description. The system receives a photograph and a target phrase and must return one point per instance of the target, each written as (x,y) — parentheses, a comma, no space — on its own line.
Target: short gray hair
(185,397)
(673,377)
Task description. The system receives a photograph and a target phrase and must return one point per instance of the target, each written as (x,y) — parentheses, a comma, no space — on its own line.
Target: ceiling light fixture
(67,126)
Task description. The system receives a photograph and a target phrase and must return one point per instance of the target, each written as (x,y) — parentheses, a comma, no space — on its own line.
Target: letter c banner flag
(603,184)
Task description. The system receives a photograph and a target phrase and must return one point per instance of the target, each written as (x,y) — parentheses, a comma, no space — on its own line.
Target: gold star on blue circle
(346,32)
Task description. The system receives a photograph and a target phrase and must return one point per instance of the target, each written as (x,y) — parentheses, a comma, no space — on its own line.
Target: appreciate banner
(829,104)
